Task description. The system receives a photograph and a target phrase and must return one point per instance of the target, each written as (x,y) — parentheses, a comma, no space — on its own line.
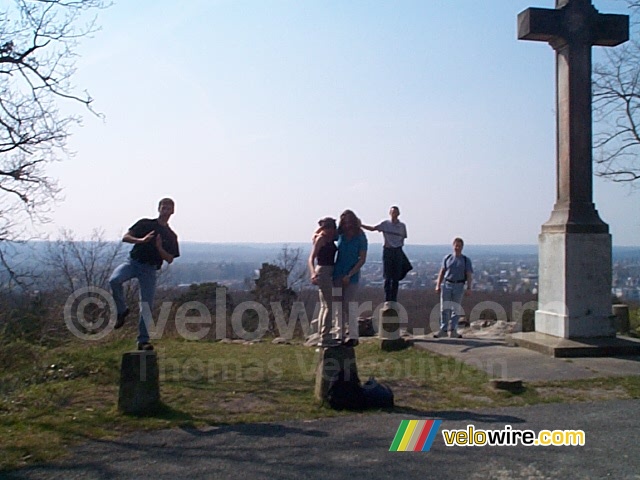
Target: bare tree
(67,265)
(38,41)
(60,268)
(84,263)
(293,261)
(616,107)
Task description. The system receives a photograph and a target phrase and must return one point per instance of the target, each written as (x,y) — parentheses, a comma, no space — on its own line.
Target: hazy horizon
(376,245)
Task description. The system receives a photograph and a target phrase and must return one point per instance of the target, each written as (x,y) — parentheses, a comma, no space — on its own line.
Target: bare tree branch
(616,108)
(38,44)
(82,263)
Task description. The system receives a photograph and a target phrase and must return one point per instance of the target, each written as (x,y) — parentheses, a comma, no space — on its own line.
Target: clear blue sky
(260,116)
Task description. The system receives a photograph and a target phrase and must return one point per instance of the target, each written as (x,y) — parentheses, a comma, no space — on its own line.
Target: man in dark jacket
(153,243)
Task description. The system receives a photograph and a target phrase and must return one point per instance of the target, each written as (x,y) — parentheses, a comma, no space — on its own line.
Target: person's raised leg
(121,274)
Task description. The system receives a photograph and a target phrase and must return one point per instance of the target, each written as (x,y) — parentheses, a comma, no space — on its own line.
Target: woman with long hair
(321,264)
(352,254)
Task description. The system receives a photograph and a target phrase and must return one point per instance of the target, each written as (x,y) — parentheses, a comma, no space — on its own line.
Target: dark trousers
(391,290)
(392,262)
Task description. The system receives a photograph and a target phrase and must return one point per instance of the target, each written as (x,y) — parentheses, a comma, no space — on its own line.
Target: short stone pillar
(621,312)
(389,324)
(389,329)
(513,385)
(139,383)
(330,362)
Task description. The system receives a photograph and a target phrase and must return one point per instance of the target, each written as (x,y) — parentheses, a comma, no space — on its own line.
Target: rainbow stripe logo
(415,435)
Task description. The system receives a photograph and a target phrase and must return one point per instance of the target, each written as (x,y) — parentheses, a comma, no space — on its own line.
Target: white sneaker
(440,334)
(454,334)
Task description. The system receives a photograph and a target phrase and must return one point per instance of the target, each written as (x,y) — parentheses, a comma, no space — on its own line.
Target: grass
(634,322)
(52,398)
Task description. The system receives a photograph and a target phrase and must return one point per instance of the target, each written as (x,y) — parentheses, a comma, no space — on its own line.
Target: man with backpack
(456,271)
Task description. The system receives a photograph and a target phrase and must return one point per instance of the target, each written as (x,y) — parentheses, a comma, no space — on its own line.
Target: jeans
(325,287)
(146,275)
(347,317)
(450,299)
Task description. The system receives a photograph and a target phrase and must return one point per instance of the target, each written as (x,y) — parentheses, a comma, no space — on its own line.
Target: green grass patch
(634,321)
(53,398)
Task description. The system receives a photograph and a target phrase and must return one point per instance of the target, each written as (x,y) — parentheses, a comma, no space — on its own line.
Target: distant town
(504,268)
(497,268)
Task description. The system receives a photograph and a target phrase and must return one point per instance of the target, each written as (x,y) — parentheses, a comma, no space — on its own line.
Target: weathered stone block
(330,361)
(574,299)
(139,383)
(395,345)
(621,312)
(513,385)
(389,324)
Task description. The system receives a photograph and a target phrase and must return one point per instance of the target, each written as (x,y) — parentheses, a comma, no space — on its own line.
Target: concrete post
(389,330)
(330,362)
(389,324)
(621,312)
(139,383)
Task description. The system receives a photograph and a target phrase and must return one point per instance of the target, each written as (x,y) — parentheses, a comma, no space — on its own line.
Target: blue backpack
(377,395)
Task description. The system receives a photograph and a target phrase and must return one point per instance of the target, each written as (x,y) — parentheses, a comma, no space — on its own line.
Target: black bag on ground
(377,395)
(345,392)
(365,327)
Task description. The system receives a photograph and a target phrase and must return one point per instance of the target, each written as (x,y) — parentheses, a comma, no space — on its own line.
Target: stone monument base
(567,348)
(139,383)
(574,297)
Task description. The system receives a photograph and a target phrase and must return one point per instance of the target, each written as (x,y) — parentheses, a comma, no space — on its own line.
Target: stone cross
(574,294)
(572,29)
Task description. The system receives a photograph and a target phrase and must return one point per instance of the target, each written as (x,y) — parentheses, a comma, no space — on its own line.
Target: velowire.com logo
(415,435)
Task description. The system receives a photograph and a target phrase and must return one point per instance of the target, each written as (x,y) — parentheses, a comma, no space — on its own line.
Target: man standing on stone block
(456,271)
(153,243)
(395,263)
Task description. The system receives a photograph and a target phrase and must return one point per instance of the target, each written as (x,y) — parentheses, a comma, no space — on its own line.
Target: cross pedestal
(574,294)
(574,289)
